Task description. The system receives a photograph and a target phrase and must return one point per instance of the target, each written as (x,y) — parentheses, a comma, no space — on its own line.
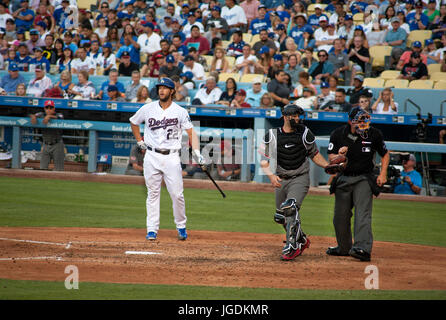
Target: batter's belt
(162,151)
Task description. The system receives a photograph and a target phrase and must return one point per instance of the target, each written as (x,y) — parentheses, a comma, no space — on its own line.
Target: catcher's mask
(293,110)
(360,120)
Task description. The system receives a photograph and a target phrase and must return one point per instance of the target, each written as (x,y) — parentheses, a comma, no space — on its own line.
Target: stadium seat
(247,37)
(208,59)
(231,61)
(226,75)
(249,78)
(421,84)
(85,4)
(374,82)
(379,54)
(358,18)
(437,76)
(225,43)
(389,74)
(418,35)
(433,67)
(310,8)
(255,38)
(397,83)
(440,85)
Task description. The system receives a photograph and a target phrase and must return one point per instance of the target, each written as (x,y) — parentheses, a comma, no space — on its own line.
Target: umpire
(355,186)
(288,149)
(52,146)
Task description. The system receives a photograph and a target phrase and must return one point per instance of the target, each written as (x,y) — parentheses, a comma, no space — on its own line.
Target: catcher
(288,149)
(355,184)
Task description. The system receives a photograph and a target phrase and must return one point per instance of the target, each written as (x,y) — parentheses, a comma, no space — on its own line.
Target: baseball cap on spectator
(280,26)
(22,44)
(168,17)
(2,30)
(257,80)
(20,31)
(395,19)
(67,48)
(303,15)
(359,77)
(412,156)
(308,29)
(348,17)
(419,4)
(264,49)
(13,67)
(331,25)
(323,18)
(241,92)
(428,42)
(262,6)
(42,24)
(185,5)
(112,88)
(21,1)
(187,74)
(170,59)
(107,45)
(174,20)
(34,31)
(189,58)
(39,67)
(49,103)
(216,8)
(149,25)
(278,57)
(415,55)
(416,44)
(359,28)
(125,54)
(85,41)
(159,56)
(38,49)
(326,85)
(317,6)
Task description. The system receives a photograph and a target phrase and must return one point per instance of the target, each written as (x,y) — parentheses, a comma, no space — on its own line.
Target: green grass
(59,203)
(43,290)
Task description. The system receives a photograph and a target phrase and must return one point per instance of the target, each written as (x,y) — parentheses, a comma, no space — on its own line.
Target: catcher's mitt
(336,165)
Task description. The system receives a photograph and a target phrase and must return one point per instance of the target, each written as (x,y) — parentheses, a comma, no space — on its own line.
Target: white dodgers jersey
(163,128)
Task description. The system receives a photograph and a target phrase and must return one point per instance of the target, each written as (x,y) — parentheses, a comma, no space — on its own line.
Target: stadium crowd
(297,51)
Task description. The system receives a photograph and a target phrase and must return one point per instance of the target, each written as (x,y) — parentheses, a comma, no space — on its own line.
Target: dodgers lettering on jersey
(163,128)
(258,25)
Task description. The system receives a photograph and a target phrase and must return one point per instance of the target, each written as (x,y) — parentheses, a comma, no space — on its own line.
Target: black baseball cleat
(334,251)
(360,254)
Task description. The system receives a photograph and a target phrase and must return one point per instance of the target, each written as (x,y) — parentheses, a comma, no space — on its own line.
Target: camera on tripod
(394,170)
(421,128)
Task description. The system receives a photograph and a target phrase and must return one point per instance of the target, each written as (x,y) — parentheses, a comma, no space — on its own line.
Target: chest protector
(291,150)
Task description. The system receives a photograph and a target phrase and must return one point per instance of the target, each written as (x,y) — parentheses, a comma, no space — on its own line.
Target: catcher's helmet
(292,109)
(166,82)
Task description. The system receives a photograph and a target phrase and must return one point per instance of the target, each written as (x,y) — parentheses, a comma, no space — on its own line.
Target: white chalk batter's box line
(32,258)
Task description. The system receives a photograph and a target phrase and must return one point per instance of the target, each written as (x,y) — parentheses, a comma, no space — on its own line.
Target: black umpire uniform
(355,187)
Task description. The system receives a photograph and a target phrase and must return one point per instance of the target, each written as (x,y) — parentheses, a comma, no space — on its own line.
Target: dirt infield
(209,259)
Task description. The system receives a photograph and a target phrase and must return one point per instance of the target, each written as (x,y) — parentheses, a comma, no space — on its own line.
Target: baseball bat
(215,183)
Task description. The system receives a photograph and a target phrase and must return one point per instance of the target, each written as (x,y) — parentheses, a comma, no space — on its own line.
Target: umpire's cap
(166,82)
(292,109)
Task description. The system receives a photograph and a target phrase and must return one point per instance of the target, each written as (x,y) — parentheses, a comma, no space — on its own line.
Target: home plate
(142,252)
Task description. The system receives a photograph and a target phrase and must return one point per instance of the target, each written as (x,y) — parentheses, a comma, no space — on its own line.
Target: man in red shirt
(198,41)
(405,57)
(239,100)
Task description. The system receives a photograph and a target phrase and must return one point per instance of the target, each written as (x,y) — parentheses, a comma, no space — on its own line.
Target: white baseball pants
(156,167)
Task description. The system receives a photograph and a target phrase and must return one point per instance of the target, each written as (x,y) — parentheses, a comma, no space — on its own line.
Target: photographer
(410,181)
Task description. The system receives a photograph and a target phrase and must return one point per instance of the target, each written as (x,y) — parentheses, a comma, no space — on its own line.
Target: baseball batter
(164,123)
(291,146)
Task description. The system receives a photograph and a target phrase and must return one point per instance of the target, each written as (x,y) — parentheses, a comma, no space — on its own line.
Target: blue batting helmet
(166,82)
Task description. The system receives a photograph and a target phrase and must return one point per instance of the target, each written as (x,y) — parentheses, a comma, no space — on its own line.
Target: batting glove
(198,157)
(142,145)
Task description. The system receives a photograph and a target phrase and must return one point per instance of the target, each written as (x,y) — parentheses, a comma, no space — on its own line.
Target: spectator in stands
(235,48)
(186,80)
(299,23)
(333,84)
(181,92)
(405,57)
(192,21)
(102,29)
(417,20)
(23,59)
(266,102)
(396,38)
(196,68)
(365,103)
(34,40)
(441,51)
(65,62)
(339,59)
(339,104)
(359,55)
(324,97)
(9,82)
(216,26)
(293,68)
(263,42)
(239,100)
(10,30)
(438,26)
(20,90)
(114,94)
(255,93)
(170,68)
(325,35)
(40,83)
(277,64)
(142,95)
(307,60)
(130,46)
(385,104)
(219,61)
(178,46)
(306,101)
(24,17)
(84,89)
(82,62)
(65,84)
(430,50)
(40,59)
(246,63)
(411,181)
(197,41)
(279,89)
(386,21)
(209,94)
(348,29)
(126,67)
(136,161)
(229,94)
(306,40)
(133,86)
(358,91)
(260,22)
(149,41)
(314,20)
(321,69)
(377,35)
(415,69)
(112,80)
(108,60)
(338,12)
(199,58)
(227,169)
(234,16)
(68,41)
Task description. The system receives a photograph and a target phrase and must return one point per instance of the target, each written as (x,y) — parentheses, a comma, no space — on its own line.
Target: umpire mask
(360,120)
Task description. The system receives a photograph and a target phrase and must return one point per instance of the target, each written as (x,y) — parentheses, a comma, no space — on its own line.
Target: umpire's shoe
(360,254)
(334,251)
(182,234)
